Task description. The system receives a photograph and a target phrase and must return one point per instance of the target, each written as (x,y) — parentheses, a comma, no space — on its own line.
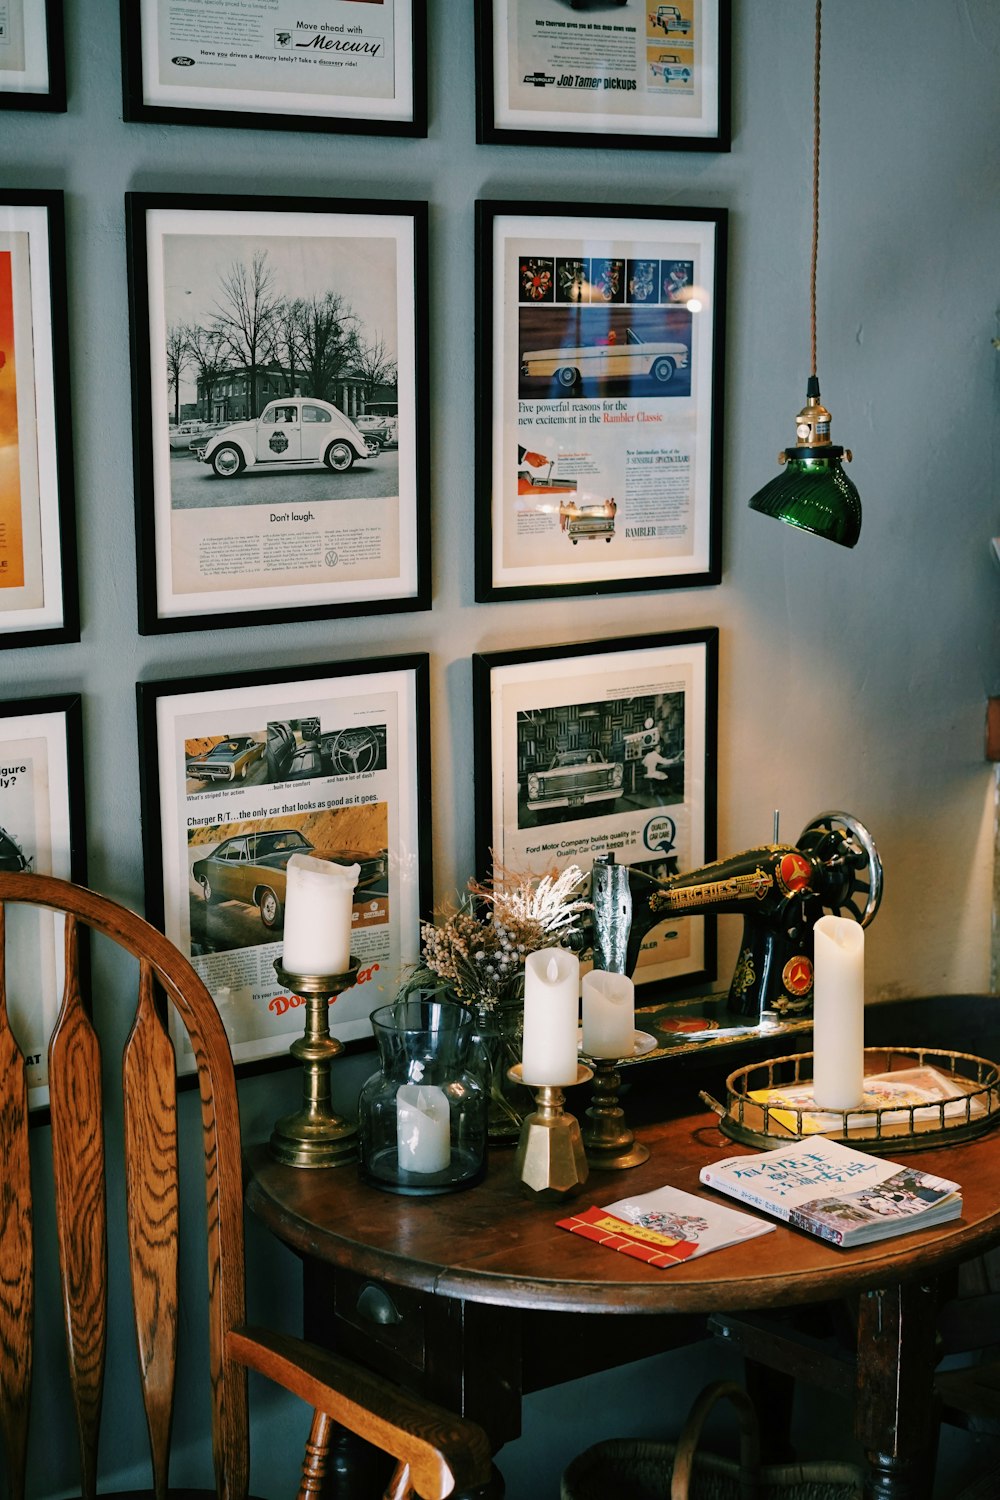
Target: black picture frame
(344,765)
(39,539)
(639,505)
(254,115)
(688,76)
(640,714)
(42,829)
(40,83)
(189,576)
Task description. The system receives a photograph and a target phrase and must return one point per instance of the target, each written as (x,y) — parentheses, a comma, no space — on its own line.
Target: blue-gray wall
(854,680)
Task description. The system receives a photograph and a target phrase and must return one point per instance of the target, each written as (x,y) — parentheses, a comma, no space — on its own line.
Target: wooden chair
(435,1452)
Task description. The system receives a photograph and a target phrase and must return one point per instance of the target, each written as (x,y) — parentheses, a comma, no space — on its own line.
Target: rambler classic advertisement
(325,58)
(603,402)
(250,777)
(617,67)
(602,749)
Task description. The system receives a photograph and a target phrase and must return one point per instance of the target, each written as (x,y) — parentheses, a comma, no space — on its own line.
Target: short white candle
(423,1128)
(838,1013)
(608,1014)
(319,897)
(551,1018)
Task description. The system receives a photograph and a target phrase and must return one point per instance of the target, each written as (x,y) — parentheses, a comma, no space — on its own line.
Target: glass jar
(496,1048)
(422,1117)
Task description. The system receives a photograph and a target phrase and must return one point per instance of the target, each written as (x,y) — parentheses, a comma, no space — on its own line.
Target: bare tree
(177,358)
(288,323)
(245,316)
(206,349)
(328,341)
(375,365)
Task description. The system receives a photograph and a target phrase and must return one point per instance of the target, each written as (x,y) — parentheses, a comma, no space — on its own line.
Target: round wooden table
(414,1267)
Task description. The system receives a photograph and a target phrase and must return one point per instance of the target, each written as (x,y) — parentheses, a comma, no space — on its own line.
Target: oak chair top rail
(491,1245)
(433,1449)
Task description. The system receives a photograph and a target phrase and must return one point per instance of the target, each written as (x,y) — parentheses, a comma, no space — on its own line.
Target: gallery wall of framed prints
(278,232)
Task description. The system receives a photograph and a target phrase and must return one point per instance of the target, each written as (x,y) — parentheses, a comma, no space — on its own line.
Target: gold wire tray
(973,1107)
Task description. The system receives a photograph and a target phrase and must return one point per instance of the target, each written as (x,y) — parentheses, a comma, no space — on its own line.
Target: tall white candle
(608,1014)
(423,1128)
(838,1013)
(319,897)
(551,1017)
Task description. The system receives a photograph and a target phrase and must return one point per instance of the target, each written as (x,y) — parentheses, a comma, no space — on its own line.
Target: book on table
(836,1192)
(912,1099)
(665,1226)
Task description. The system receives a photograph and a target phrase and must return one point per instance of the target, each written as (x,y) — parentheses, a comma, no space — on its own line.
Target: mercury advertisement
(251,777)
(603,395)
(623,68)
(324,58)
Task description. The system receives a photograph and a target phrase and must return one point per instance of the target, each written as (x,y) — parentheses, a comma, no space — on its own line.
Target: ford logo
(182,62)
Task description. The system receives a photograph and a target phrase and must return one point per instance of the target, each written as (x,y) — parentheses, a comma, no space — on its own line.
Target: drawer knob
(376,1306)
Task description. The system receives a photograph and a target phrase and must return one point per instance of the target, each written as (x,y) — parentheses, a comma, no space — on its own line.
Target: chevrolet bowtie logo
(539,80)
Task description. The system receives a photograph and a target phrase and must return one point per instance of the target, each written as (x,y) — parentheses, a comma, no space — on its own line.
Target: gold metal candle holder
(550,1160)
(314,1136)
(608,1142)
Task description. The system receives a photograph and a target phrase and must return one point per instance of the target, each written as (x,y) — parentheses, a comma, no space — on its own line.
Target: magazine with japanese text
(835,1192)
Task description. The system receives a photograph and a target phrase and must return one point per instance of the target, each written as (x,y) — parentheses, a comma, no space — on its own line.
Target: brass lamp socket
(812,430)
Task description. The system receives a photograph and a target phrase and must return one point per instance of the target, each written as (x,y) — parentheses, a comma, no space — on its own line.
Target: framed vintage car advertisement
(280,399)
(631,73)
(599,388)
(239,773)
(38,595)
(604,747)
(41,829)
(345,65)
(32,60)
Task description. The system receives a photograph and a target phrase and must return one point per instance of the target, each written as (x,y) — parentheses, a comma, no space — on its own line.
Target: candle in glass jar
(423,1128)
(608,1014)
(319,898)
(838,1013)
(551,1018)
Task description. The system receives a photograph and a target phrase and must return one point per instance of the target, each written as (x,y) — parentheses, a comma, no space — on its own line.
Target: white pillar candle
(319,897)
(838,1013)
(423,1128)
(608,1014)
(551,1018)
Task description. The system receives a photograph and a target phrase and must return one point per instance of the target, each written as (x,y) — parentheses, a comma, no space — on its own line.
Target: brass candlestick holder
(314,1136)
(550,1161)
(608,1142)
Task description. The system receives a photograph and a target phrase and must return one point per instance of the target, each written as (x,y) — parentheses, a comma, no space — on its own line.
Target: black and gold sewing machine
(781,890)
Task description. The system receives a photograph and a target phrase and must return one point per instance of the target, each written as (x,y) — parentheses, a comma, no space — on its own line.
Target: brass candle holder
(314,1136)
(550,1161)
(608,1142)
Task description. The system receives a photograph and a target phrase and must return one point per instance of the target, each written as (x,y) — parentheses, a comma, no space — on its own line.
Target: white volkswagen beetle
(295,430)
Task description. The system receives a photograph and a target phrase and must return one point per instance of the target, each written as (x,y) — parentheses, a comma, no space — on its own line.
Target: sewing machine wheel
(847,850)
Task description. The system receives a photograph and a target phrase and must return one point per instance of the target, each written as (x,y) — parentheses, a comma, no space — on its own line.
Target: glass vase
(422,1116)
(497,1040)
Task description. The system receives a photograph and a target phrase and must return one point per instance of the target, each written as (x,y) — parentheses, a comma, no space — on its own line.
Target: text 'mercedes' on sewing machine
(781,891)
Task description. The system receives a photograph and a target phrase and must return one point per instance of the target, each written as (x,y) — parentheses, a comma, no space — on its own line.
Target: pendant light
(813,492)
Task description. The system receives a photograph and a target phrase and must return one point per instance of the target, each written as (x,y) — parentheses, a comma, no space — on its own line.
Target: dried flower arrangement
(478,951)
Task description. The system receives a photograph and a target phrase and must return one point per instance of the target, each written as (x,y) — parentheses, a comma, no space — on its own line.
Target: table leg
(896,1417)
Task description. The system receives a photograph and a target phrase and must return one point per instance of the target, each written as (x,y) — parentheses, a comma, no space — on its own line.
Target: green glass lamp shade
(816,495)
(813,492)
